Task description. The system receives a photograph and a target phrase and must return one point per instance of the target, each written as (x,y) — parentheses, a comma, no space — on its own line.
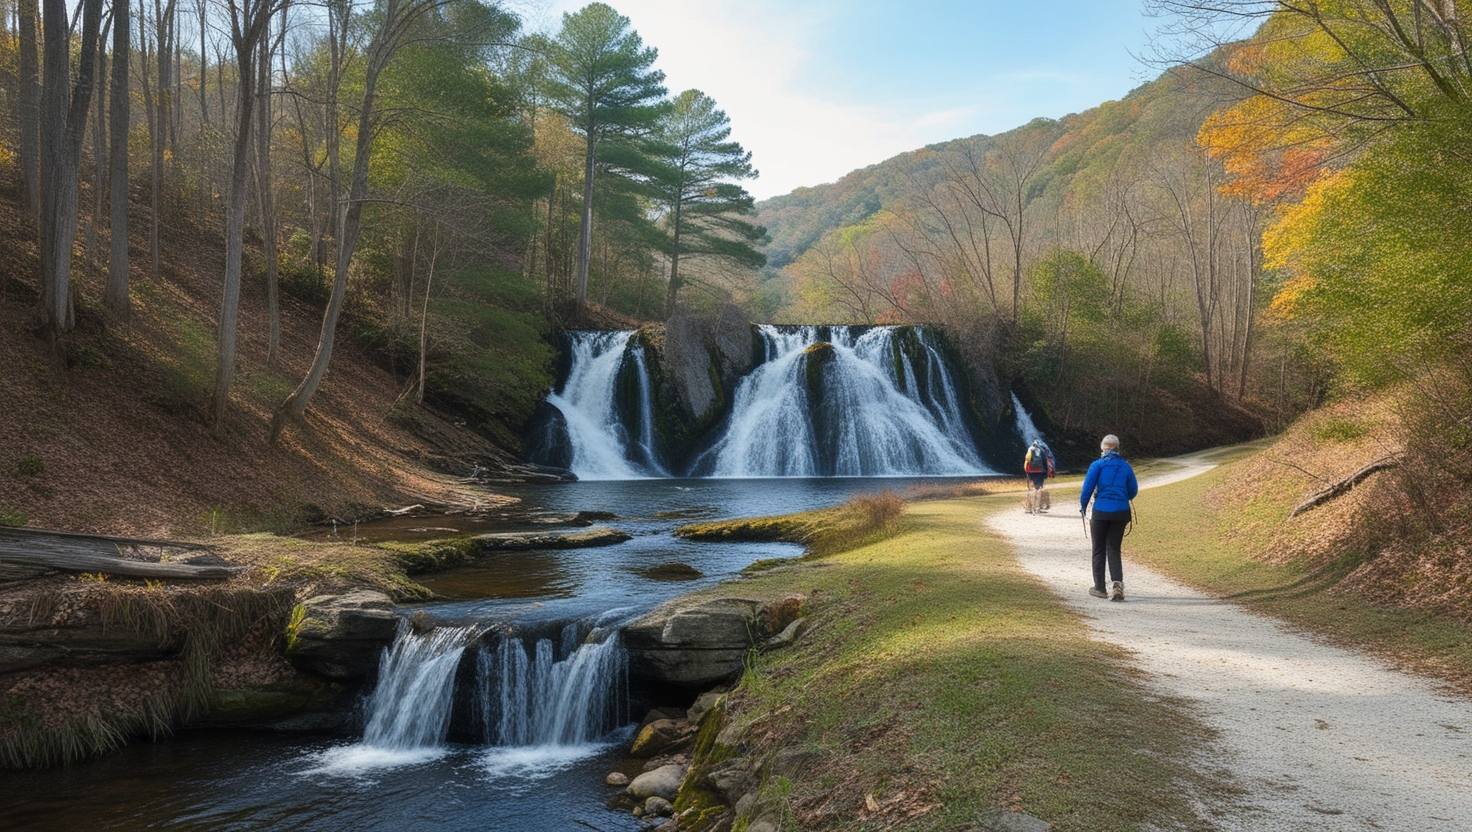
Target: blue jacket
(1115,482)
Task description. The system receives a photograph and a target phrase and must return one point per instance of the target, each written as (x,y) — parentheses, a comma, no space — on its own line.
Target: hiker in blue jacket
(1111,485)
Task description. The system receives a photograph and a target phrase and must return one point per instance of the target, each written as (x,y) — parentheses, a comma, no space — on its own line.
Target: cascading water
(830,401)
(1025,427)
(410,708)
(603,446)
(533,698)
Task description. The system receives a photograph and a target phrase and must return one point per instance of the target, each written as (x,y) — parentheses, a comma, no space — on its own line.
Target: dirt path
(1316,737)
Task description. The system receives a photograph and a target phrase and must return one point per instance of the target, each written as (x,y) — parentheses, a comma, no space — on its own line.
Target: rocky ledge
(519,541)
(697,643)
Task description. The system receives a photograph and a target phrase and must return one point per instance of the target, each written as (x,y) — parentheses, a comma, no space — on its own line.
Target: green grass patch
(1185,536)
(938,679)
(11,518)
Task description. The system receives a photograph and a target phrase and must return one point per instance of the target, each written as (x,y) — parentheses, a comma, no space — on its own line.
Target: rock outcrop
(341,637)
(520,541)
(703,357)
(697,643)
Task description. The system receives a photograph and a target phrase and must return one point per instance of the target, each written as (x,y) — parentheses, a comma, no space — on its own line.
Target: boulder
(616,778)
(662,782)
(658,736)
(341,636)
(733,779)
(698,643)
(521,541)
(791,762)
(702,358)
(658,807)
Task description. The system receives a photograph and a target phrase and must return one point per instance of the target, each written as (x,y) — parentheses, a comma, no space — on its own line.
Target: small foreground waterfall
(410,709)
(530,697)
(846,402)
(547,700)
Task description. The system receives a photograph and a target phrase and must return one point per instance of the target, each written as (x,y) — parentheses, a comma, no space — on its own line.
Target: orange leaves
(1270,155)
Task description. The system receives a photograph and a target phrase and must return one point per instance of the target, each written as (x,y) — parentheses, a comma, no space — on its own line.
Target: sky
(817,88)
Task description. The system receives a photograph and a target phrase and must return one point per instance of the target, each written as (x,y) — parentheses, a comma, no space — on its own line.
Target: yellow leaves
(1286,303)
(1284,242)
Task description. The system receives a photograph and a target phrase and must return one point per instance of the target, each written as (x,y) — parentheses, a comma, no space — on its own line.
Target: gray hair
(1109,443)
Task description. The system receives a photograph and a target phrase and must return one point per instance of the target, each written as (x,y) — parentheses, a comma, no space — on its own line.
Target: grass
(937,679)
(823,531)
(1186,537)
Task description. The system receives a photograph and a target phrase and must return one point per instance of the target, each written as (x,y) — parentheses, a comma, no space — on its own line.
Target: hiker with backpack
(1111,484)
(1038,465)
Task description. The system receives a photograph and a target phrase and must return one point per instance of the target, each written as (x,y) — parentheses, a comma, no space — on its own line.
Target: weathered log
(1336,489)
(82,561)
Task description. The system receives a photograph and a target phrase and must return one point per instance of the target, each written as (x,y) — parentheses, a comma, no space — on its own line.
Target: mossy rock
(705,807)
(815,359)
(420,557)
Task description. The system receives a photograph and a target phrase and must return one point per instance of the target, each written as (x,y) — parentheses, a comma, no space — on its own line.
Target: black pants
(1107,529)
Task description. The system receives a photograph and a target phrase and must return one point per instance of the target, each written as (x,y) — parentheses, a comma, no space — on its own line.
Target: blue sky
(817,88)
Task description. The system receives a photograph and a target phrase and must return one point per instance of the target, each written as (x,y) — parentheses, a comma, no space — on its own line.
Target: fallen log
(1336,489)
(79,561)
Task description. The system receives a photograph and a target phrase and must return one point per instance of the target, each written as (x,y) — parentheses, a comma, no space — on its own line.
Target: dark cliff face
(697,366)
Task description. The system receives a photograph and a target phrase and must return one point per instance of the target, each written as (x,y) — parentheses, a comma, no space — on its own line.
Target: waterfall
(846,402)
(601,446)
(410,708)
(1025,427)
(533,698)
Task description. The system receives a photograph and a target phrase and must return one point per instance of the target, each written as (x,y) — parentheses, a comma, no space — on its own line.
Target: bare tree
(117,276)
(396,19)
(63,121)
(249,20)
(27,20)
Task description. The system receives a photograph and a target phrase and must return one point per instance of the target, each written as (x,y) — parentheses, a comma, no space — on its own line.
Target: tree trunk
(145,74)
(117,275)
(245,51)
(62,122)
(30,106)
(384,44)
(585,231)
(266,198)
(674,288)
(99,150)
(434,256)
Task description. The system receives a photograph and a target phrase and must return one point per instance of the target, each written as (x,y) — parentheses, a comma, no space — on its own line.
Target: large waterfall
(829,402)
(825,401)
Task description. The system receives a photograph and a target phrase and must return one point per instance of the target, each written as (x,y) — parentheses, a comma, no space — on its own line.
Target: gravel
(1310,736)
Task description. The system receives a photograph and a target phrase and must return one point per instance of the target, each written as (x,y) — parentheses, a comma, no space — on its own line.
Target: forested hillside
(1094,255)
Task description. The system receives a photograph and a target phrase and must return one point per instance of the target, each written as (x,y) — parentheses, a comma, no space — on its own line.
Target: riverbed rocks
(523,541)
(340,637)
(662,782)
(697,643)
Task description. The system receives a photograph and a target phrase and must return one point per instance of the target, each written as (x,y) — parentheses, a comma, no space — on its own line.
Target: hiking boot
(1097,592)
(1116,592)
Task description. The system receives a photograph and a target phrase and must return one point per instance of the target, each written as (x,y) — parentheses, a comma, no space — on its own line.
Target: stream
(394,776)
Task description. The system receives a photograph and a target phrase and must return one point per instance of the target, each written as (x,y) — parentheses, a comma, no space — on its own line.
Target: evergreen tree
(601,80)
(704,209)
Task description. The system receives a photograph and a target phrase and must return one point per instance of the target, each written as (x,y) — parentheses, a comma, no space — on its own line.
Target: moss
(274,702)
(704,806)
(417,558)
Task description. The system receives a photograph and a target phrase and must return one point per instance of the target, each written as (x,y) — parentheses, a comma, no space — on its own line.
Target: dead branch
(1334,490)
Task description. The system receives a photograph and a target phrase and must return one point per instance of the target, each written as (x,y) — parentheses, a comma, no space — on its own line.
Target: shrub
(30,466)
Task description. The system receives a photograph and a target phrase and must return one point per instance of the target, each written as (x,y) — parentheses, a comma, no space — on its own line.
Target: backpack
(1039,460)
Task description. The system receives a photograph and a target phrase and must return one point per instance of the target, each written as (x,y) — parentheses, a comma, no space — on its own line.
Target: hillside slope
(118,442)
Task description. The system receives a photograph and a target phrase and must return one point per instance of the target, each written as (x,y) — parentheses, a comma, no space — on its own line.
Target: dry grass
(823,531)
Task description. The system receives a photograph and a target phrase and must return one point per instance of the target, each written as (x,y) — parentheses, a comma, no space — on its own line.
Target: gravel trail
(1316,737)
